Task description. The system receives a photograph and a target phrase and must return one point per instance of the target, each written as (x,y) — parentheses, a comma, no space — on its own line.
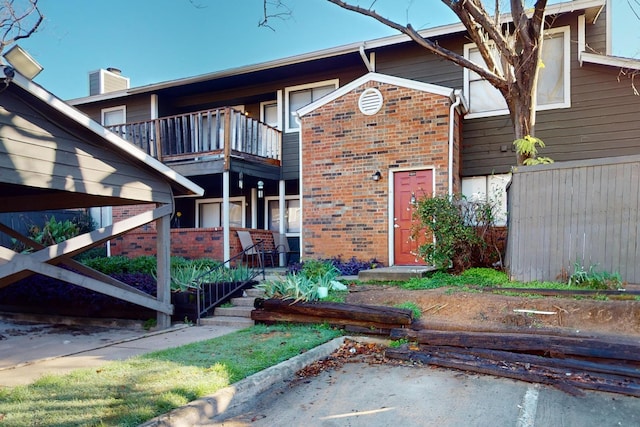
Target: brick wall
(345,211)
(189,243)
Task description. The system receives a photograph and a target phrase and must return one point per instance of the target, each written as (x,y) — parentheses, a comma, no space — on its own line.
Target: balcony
(203,136)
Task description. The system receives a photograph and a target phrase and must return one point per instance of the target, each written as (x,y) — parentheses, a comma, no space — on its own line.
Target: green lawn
(130,392)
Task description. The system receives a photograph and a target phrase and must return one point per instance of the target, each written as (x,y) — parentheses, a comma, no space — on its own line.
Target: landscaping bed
(444,308)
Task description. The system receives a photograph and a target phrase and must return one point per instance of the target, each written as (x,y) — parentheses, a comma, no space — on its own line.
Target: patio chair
(249,248)
(281,246)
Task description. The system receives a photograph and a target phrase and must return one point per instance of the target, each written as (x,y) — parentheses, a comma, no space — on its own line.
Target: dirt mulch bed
(447,309)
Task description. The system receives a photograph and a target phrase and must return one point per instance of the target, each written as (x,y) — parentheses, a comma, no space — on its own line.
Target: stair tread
(233,311)
(227,321)
(243,302)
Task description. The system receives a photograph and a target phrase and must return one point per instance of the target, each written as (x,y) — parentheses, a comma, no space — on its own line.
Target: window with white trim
(209,212)
(297,97)
(492,189)
(291,214)
(554,86)
(114,116)
(269,114)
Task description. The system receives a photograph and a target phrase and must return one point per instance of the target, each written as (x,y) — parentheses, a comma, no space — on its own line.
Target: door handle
(396,226)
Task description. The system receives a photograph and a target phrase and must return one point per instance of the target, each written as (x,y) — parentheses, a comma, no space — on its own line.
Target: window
(492,188)
(269,114)
(553,80)
(291,215)
(209,212)
(114,116)
(297,97)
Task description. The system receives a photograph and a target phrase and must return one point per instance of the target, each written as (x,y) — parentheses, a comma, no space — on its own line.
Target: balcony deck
(202,136)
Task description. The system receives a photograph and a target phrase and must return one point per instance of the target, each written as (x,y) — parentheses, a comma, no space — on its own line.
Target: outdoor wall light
(22,62)
(413,200)
(376,176)
(260,189)
(241,180)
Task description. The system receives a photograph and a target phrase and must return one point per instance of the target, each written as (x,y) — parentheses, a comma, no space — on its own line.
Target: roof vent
(370,101)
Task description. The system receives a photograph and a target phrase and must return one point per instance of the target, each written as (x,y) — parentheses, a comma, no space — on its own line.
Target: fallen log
(369,313)
(526,343)
(273,316)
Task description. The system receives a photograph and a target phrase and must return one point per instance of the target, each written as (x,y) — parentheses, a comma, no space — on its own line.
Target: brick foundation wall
(345,211)
(189,243)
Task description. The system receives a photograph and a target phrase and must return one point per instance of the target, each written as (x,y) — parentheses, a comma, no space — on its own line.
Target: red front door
(408,185)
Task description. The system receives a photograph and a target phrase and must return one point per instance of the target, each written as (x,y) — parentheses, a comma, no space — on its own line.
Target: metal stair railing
(211,295)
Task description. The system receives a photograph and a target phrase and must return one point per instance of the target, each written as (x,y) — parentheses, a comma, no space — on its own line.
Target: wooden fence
(578,212)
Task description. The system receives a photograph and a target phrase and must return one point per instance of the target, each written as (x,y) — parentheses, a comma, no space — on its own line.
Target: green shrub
(594,279)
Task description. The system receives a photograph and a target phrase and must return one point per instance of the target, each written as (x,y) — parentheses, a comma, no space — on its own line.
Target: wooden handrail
(191,135)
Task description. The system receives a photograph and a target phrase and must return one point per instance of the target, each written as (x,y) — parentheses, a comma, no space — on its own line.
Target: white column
(282,209)
(254,208)
(226,233)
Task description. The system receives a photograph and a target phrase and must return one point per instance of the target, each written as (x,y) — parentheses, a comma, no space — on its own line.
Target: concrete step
(233,311)
(395,273)
(254,293)
(242,322)
(243,302)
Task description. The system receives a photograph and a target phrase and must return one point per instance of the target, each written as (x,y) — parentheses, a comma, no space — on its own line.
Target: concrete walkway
(29,350)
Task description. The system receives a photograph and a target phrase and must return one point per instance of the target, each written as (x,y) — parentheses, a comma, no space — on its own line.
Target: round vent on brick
(370,101)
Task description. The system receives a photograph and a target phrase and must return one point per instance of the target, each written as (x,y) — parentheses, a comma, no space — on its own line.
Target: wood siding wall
(138,108)
(38,153)
(583,211)
(602,120)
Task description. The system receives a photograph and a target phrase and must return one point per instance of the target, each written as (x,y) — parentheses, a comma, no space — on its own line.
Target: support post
(226,233)
(164,268)
(282,205)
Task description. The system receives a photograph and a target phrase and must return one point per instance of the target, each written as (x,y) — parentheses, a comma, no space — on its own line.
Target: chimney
(105,81)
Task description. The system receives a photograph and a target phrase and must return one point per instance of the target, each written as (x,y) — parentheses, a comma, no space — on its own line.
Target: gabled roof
(593,7)
(380,78)
(85,129)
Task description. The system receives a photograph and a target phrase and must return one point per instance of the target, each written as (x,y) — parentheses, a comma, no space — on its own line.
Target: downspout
(452,126)
(366,61)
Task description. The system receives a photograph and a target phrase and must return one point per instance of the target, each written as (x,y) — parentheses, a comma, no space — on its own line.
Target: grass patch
(130,392)
(415,309)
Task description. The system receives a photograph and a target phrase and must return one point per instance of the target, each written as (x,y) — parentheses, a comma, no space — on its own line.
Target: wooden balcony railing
(202,135)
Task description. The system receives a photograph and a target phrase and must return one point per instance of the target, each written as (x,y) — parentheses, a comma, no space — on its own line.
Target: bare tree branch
(282,12)
(635,9)
(18,23)
(435,48)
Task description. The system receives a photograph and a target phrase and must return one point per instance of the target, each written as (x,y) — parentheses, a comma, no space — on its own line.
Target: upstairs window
(114,116)
(297,97)
(553,81)
(269,114)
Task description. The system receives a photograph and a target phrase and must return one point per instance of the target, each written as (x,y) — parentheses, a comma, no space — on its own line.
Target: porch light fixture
(241,180)
(413,200)
(376,176)
(260,189)
(22,62)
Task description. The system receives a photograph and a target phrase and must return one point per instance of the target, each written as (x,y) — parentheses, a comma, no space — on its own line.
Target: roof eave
(186,187)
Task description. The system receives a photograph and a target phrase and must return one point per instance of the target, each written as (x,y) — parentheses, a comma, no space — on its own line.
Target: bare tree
(511,50)
(18,20)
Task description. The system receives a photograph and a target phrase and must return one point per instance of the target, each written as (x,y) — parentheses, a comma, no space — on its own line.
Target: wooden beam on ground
(366,313)
(555,345)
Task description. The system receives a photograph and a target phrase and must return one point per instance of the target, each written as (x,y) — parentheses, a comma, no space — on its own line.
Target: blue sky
(158,40)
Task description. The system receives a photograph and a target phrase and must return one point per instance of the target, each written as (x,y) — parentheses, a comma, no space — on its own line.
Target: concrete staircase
(239,314)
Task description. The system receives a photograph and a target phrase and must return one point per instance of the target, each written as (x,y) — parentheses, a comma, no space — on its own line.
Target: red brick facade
(191,243)
(345,212)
